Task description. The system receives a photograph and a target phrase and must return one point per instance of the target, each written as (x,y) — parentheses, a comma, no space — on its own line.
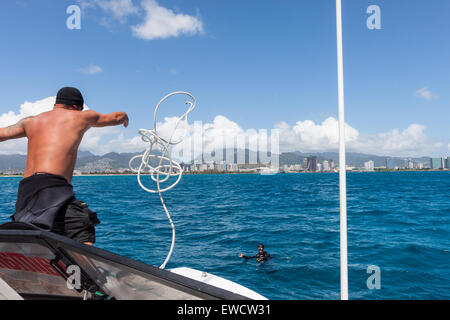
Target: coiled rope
(167,167)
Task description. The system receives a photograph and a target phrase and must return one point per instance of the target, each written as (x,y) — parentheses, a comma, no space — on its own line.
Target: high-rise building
(332,165)
(390,163)
(436,163)
(326,165)
(448,163)
(410,164)
(369,165)
(305,163)
(312,163)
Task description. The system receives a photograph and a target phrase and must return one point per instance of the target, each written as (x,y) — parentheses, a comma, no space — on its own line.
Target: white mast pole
(342,166)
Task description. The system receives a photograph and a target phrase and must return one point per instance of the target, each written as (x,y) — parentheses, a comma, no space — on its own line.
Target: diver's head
(70,98)
(260,247)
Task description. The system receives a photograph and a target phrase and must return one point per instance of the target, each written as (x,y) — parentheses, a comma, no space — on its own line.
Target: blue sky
(256,63)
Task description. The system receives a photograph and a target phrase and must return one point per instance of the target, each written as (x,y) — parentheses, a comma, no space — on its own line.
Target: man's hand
(125,121)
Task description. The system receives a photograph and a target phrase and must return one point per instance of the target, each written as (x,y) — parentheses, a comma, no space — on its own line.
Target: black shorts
(76,221)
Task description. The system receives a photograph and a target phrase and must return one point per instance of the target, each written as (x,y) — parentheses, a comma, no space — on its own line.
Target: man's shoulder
(90,114)
(25,121)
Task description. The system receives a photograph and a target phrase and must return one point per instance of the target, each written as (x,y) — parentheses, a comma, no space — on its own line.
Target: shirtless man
(45,198)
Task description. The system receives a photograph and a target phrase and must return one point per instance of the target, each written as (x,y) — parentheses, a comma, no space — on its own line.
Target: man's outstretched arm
(15,131)
(106,120)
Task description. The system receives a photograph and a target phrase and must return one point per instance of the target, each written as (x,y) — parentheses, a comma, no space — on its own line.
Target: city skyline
(290,162)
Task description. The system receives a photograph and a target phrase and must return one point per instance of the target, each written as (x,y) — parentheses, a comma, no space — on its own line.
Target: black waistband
(43,175)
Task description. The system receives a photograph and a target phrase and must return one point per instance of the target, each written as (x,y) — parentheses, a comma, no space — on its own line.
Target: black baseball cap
(70,96)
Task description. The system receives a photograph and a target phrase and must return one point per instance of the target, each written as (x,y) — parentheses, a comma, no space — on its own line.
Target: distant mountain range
(113,161)
(85,160)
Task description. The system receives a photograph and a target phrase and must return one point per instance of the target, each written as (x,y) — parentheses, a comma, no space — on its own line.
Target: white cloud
(119,9)
(110,139)
(161,23)
(92,69)
(412,141)
(425,93)
(308,136)
(18,146)
(27,109)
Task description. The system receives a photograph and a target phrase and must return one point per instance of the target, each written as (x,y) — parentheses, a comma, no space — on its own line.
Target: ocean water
(397,221)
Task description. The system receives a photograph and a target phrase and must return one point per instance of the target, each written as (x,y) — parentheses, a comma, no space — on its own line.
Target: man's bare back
(54,137)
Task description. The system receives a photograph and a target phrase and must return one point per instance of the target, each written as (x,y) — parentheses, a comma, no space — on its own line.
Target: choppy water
(399,222)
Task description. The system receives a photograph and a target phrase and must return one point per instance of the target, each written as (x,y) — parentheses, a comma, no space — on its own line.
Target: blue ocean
(397,221)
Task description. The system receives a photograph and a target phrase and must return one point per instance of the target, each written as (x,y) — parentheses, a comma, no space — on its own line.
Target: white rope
(171,168)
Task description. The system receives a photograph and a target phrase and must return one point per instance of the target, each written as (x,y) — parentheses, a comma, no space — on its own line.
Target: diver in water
(261,256)
(45,197)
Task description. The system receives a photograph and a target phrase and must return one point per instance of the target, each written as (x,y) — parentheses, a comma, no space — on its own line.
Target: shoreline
(219,173)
